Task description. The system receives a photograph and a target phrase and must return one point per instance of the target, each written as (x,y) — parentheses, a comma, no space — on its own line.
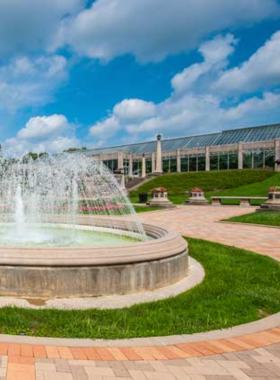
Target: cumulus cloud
(215,54)
(31,25)
(255,106)
(26,82)
(262,70)
(38,128)
(151,30)
(104,130)
(134,109)
(196,101)
(43,134)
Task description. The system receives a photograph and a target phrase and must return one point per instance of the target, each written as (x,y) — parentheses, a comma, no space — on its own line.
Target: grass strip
(268,218)
(239,287)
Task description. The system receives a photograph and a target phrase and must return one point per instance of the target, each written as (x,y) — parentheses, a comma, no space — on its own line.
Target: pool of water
(59,236)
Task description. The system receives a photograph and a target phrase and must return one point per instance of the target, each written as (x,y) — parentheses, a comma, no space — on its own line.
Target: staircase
(134,183)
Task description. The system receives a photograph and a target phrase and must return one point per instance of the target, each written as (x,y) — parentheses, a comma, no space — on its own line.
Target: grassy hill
(232,182)
(257,189)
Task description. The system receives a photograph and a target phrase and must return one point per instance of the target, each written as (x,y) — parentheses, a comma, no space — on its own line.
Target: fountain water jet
(19,214)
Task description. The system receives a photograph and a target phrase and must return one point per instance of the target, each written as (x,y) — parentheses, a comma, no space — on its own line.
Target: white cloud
(134,109)
(129,110)
(215,54)
(254,106)
(104,130)
(38,128)
(32,25)
(26,83)
(195,104)
(262,70)
(43,134)
(151,30)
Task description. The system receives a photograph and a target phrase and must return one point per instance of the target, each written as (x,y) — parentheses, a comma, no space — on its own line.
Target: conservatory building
(246,148)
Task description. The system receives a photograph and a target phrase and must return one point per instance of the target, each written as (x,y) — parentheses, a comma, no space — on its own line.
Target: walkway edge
(264,324)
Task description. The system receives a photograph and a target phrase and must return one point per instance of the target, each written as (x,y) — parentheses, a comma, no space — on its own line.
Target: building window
(148,165)
(214,162)
(201,163)
(223,161)
(165,165)
(247,160)
(173,164)
(269,158)
(184,164)
(126,166)
(137,167)
(192,164)
(258,159)
(169,164)
(111,164)
(233,160)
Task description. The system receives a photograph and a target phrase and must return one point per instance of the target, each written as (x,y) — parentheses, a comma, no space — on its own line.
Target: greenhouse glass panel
(173,165)
(269,158)
(165,165)
(126,167)
(137,167)
(247,160)
(258,159)
(148,165)
(201,163)
(214,162)
(223,162)
(192,164)
(233,161)
(184,164)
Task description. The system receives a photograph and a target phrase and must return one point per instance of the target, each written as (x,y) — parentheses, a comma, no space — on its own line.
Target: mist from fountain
(19,212)
(41,203)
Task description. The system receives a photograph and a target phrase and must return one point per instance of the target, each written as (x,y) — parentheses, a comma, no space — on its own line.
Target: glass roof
(233,136)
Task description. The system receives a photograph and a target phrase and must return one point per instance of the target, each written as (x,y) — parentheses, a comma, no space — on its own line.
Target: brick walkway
(253,356)
(203,222)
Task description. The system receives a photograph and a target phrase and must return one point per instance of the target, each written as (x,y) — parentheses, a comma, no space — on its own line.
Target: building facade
(246,148)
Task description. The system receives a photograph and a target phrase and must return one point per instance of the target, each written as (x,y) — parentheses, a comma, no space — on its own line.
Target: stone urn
(273,202)
(160,198)
(197,198)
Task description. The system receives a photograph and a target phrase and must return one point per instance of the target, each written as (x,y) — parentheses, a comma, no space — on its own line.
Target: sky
(99,73)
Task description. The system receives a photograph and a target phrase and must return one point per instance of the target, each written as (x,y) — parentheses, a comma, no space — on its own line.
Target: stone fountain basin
(94,271)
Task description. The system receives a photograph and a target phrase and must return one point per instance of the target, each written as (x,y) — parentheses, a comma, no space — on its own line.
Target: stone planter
(273,202)
(197,198)
(160,198)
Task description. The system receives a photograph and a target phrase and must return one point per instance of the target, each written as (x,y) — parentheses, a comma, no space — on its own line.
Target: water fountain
(68,229)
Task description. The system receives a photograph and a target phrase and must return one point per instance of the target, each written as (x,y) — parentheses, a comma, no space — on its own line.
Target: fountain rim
(165,244)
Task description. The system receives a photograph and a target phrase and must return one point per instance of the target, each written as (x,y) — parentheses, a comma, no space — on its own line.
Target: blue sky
(81,73)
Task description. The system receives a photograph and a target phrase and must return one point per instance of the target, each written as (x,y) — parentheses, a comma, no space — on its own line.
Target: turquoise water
(36,236)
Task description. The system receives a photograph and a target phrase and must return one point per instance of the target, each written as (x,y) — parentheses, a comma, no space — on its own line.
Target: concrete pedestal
(197,198)
(273,202)
(160,199)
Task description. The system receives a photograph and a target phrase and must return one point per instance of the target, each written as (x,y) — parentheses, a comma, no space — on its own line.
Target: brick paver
(203,222)
(250,365)
(248,357)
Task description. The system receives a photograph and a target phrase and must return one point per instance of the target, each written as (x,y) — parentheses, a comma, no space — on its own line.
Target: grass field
(258,189)
(239,287)
(269,218)
(231,183)
(147,209)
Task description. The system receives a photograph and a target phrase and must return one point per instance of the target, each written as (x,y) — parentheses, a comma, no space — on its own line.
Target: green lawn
(269,218)
(147,209)
(258,189)
(239,287)
(229,182)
